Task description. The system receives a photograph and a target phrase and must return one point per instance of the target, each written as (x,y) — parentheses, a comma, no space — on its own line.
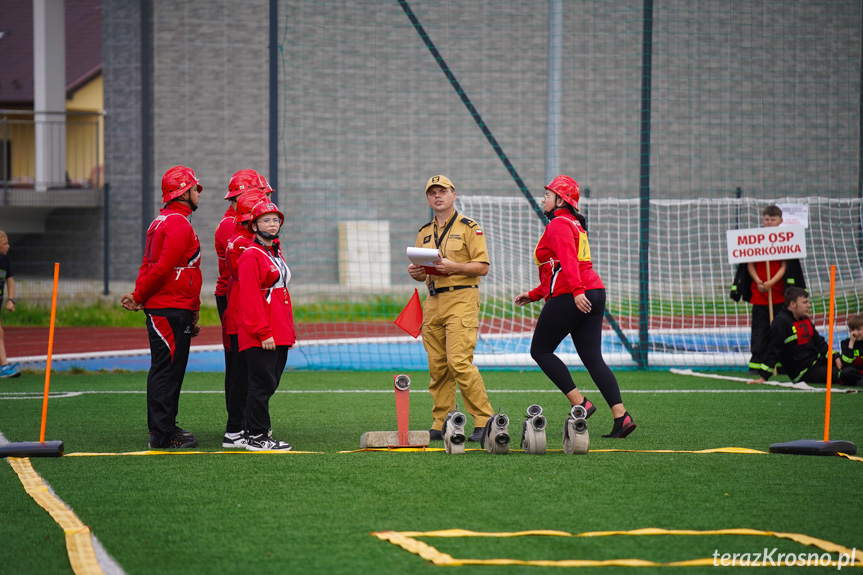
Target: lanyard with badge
(439,241)
(273,253)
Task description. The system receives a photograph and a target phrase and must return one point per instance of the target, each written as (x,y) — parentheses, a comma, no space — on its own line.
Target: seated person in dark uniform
(795,344)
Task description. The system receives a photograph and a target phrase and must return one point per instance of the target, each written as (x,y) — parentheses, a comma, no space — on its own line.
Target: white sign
(766,244)
(795,214)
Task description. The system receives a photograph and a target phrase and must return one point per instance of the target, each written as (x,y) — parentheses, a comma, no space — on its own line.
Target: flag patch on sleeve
(478,232)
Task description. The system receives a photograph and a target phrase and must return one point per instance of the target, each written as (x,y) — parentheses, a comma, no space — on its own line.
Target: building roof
(83,48)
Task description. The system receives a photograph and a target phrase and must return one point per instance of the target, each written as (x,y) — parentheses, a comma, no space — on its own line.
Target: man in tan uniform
(451,310)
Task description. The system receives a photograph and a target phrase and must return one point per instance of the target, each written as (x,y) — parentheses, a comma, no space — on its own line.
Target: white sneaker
(234,440)
(262,442)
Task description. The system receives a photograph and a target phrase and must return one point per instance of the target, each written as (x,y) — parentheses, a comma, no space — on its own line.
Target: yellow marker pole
(829,353)
(50,349)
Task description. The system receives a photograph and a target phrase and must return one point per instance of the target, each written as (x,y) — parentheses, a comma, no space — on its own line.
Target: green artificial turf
(313,513)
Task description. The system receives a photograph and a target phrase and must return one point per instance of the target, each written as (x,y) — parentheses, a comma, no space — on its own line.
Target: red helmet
(177,181)
(247,201)
(566,188)
(265,207)
(242,181)
(264,185)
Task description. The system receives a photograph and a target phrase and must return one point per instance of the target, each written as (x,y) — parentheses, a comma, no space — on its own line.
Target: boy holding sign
(768,289)
(763,283)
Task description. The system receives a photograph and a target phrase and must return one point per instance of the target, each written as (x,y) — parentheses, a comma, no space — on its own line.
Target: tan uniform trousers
(450,325)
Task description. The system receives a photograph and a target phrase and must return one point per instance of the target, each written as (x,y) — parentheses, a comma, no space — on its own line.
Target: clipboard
(425,257)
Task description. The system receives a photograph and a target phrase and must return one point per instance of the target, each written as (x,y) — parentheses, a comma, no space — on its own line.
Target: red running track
(30,341)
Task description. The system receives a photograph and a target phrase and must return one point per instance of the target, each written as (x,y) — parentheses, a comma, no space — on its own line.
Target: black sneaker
(435,435)
(476,436)
(622,428)
(176,441)
(588,407)
(263,442)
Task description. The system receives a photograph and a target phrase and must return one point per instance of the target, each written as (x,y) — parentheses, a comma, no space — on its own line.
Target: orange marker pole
(50,349)
(829,353)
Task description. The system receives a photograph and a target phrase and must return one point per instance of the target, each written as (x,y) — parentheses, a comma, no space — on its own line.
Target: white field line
(800,385)
(9,395)
(106,562)
(205,348)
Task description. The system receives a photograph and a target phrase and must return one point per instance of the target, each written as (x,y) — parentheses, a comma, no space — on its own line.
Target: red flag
(411,318)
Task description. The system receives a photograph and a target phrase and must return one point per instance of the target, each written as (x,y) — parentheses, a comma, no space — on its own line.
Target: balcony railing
(50,152)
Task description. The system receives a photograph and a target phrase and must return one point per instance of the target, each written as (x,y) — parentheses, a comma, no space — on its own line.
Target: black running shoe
(176,441)
(588,407)
(622,427)
(435,435)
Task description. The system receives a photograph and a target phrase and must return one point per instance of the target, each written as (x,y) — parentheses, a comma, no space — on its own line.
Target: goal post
(692,322)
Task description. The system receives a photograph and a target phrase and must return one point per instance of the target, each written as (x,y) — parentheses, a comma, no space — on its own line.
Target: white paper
(423,256)
(795,214)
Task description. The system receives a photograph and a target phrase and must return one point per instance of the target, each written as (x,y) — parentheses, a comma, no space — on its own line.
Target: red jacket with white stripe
(224,231)
(235,247)
(170,273)
(266,311)
(563,257)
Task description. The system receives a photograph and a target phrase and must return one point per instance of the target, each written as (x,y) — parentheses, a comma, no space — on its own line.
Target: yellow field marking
(153,452)
(407,541)
(733,450)
(79,545)
(851,457)
(738,450)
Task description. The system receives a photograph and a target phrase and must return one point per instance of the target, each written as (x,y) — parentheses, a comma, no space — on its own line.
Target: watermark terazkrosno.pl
(775,558)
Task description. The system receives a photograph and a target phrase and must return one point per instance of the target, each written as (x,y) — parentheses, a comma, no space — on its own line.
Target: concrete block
(391,439)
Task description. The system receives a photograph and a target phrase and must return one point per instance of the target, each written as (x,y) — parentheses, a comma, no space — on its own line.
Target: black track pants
(265,370)
(236,388)
(170,333)
(559,318)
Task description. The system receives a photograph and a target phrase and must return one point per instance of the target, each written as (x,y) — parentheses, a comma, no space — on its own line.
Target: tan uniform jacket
(463,243)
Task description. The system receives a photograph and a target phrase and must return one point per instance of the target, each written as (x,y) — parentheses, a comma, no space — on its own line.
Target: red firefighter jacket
(170,273)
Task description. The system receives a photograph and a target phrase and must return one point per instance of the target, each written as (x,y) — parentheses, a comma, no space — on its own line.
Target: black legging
(560,317)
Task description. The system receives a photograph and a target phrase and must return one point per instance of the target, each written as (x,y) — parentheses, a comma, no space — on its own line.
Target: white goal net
(690,319)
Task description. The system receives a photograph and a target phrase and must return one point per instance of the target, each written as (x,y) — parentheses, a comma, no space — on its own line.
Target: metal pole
(106,239)
(274,100)
(644,189)
(7,169)
(860,144)
(146,119)
(553,98)
(738,193)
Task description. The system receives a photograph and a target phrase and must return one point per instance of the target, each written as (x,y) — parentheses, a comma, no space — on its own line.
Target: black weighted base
(32,449)
(814,447)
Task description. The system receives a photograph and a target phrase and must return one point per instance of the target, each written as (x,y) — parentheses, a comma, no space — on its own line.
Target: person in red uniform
(768,288)
(266,322)
(239,382)
(168,289)
(235,400)
(574,303)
